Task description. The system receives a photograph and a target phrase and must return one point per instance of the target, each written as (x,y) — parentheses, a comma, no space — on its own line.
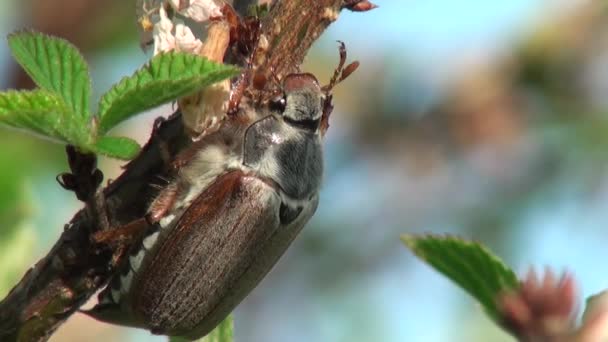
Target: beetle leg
(162,203)
(334,79)
(237,92)
(118,255)
(122,235)
(126,234)
(163,145)
(101,211)
(327,109)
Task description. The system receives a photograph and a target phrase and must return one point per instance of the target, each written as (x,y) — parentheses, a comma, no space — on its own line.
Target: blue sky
(430,33)
(426,28)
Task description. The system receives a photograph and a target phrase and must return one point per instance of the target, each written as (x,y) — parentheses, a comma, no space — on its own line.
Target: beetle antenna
(341,72)
(334,79)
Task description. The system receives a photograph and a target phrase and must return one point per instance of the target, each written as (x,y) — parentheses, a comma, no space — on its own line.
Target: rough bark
(57,285)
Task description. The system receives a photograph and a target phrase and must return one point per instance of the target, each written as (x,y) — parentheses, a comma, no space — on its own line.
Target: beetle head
(299,101)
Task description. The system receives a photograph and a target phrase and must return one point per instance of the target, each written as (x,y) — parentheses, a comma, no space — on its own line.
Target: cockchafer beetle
(233,207)
(226,218)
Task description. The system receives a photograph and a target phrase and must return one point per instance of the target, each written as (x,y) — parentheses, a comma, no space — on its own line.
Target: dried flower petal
(198,10)
(185,39)
(164,40)
(203,112)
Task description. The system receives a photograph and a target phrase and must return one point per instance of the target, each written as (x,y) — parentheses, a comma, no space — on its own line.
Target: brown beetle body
(230,213)
(226,263)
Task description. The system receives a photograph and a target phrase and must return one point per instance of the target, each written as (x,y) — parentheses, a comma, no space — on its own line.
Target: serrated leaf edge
(81,105)
(156,75)
(56,135)
(410,241)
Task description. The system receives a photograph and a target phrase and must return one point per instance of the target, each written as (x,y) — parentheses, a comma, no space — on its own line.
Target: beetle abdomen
(219,249)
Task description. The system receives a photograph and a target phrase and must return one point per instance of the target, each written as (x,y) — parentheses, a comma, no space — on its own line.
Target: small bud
(595,319)
(360,6)
(540,309)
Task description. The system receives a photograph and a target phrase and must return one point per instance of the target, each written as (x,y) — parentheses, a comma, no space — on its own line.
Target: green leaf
(595,306)
(469,264)
(165,78)
(224,332)
(55,65)
(179,339)
(15,254)
(117,147)
(43,113)
(15,202)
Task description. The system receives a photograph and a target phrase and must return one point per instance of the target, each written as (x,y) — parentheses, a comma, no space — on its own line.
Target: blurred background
(486,119)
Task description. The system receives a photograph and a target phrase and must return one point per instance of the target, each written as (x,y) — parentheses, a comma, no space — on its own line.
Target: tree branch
(290,29)
(76,267)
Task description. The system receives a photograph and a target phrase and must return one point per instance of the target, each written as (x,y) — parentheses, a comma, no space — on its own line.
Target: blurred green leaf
(14,206)
(15,255)
(55,65)
(224,332)
(22,161)
(595,306)
(44,113)
(470,265)
(117,147)
(165,78)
